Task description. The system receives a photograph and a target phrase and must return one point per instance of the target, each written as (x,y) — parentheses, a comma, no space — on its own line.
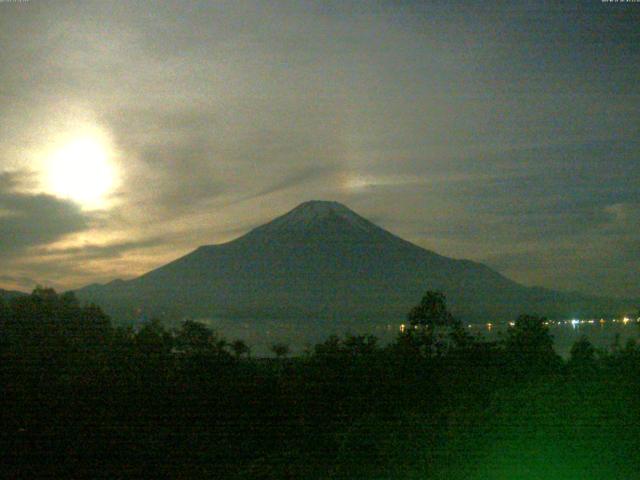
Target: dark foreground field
(84,399)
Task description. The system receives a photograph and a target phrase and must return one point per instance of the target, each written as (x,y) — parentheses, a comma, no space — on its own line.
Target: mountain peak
(319,208)
(320,215)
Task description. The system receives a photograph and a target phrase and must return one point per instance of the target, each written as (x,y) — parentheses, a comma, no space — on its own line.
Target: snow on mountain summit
(317,213)
(320,207)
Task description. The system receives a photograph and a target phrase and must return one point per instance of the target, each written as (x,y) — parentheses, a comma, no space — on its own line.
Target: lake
(300,335)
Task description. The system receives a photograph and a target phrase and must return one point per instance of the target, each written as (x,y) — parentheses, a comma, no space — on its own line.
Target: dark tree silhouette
(330,348)
(80,398)
(433,329)
(280,350)
(4,313)
(153,338)
(240,348)
(358,345)
(194,336)
(530,346)
(583,355)
(431,311)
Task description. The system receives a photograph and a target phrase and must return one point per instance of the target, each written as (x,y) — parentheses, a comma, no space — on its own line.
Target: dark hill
(9,294)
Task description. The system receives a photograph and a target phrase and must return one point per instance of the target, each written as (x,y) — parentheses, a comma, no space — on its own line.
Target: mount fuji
(322,261)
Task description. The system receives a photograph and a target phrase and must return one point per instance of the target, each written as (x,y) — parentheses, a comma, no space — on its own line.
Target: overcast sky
(506,133)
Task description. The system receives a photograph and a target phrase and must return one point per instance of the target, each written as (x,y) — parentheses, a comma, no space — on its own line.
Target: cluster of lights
(573,322)
(602,321)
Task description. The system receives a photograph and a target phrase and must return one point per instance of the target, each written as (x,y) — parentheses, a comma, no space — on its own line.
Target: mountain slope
(9,294)
(322,260)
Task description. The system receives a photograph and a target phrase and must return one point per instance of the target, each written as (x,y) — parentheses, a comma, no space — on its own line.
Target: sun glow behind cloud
(420,114)
(81,169)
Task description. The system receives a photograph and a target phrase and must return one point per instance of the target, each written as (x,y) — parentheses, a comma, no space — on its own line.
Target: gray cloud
(589,264)
(30,220)
(23,282)
(517,126)
(111,250)
(292,180)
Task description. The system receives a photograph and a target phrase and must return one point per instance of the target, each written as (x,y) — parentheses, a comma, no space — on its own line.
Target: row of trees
(45,322)
(82,397)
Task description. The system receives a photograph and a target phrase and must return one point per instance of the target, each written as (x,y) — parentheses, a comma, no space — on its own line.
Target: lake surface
(300,335)
(604,334)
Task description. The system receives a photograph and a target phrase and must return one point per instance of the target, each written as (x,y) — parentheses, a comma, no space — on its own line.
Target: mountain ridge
(9,294)
(321,260)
